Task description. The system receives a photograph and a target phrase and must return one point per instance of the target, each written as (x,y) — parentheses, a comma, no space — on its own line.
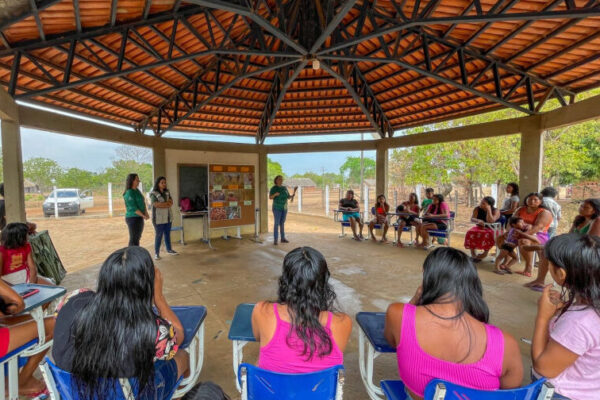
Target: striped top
(417,368)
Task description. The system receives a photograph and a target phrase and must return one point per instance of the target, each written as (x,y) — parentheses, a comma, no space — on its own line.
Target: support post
(367,211)
(299,199)
(531,161)
(381,168)
(12,162)
(263,191)
(159,161)
(110,204)
(327,200)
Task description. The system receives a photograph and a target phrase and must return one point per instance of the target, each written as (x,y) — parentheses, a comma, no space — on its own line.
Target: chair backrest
(373,211)
(267,385)
(438,389)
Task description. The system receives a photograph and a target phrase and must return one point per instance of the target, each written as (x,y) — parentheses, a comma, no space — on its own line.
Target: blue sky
(95,155)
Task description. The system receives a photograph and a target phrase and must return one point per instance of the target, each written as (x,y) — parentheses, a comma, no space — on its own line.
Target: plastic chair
(376,225)
(260,384)
(338,217)
(438,389)
(444,233)
(60,385)
(10,365)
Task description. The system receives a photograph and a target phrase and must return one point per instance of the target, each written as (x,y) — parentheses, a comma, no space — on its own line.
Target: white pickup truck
(70,201)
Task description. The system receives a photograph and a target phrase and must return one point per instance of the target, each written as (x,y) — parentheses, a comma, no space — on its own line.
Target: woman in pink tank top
(443,332)
(300,333)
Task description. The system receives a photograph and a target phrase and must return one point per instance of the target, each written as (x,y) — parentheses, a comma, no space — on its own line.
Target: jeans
(160,230)
(136,227)
(279,216)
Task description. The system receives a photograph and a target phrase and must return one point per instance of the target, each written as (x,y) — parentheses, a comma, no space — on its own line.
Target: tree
(141,155)
(42,171)
(351,169)
(121,168)
(273,169)
(78,178)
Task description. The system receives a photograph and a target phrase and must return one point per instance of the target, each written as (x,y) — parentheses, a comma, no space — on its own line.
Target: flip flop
(524,273)
(536,288)
(508,270)
(499,272)
(42,394)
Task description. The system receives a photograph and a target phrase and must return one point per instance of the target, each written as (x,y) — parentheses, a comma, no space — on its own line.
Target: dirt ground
(366,277)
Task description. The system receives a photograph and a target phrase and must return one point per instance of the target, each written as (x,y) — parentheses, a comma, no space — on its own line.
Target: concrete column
(12,161)
(531,161)
(159,161)
(381,170)
(263,191)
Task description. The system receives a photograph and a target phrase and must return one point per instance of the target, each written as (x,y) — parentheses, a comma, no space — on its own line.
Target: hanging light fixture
(316,64)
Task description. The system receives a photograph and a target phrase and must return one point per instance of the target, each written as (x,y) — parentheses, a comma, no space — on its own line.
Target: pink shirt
(441,208)
(278,356)
(578,329)
(417,368)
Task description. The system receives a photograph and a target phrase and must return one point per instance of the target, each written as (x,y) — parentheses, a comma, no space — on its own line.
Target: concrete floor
(366,277)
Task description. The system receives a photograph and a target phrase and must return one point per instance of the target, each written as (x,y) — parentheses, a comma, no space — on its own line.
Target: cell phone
(29,293)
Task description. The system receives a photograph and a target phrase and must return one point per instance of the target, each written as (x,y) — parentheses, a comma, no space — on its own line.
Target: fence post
(299,199)
(395,199)
(327,200)
(110,205)
(366,201)
(495,192)
(55,203)
(456,201)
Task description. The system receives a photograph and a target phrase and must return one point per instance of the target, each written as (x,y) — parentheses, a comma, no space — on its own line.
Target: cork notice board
(231,195)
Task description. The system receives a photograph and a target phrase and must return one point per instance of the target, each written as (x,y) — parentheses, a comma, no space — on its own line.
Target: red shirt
(14,260)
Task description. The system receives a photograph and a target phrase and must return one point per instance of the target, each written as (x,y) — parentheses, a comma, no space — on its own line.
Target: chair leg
(366,367)
(196,351)
(13,379)
(440,392)
(49,380)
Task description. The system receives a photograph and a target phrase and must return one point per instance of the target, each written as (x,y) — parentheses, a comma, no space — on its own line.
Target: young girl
(507,256)
(435,218)
(381,209)
(566,344)
(411,208)
(16,261)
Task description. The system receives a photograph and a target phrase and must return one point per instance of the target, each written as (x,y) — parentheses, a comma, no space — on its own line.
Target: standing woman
(136,211)
(280,195)
(162,218)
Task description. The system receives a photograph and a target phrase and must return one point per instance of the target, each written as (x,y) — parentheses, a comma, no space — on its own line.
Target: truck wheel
(78,211)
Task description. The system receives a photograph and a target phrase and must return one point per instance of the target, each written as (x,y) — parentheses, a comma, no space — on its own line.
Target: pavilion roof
(286,67)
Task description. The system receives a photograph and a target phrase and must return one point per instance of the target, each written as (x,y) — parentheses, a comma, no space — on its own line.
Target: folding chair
(371,326)
(444,233)
(498,230)
(260,384)
(10,365)
(438,389)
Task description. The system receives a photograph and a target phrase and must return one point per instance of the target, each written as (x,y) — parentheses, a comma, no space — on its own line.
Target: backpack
(199,203)
(185,204)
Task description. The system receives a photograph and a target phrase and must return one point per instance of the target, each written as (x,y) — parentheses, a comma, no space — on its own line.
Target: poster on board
(231,195)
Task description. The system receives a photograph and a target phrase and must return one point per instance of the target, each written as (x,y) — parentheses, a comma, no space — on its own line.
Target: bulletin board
(231,195)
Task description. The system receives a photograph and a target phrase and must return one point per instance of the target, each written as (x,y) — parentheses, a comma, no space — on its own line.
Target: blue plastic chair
(260,384)
(444,233)
(10,364)
(438,389)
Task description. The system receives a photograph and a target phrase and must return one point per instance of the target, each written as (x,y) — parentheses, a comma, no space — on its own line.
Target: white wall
(193,226)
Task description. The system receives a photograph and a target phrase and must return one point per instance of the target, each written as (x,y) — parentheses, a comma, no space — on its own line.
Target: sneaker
(172,252)
(284,241)
(156,257)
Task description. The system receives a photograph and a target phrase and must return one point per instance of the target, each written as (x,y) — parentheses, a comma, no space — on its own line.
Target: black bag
(200,203)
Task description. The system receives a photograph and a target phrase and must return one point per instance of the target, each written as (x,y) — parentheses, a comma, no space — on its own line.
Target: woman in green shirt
(280,195)
(136,211)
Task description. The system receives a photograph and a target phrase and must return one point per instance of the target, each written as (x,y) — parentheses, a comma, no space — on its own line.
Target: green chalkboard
(193,181)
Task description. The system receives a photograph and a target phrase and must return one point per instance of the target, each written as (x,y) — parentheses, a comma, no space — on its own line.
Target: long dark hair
(450,276)
(413,196)
(156,188)
(490,200)
(14,235)
(386,205)
(595,204)
(129,182)
(440,198)
(120,314)
(579,256)
(515,188)
(304,288)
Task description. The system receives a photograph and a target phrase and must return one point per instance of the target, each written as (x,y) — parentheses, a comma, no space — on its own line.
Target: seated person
(301,332)
(481,237)
(17,331)
(411,208)
(382,208)
(352,213)
(435,218)
(508,256)
(16,261)
(115,332)
(443,332)
(566,344)
(511,203)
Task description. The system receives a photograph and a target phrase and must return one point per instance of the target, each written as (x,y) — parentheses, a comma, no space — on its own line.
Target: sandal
(524,273)
(499,272)
(537,288)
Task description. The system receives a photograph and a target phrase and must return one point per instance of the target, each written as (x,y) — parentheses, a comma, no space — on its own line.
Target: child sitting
(566,345)
(508,256)
(16,261)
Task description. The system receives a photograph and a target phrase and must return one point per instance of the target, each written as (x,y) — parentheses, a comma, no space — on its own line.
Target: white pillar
(418,192)
(327,200)
(110,204)
(12,160)
(366,201)
(299,199)
(495,192)
(55,202)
